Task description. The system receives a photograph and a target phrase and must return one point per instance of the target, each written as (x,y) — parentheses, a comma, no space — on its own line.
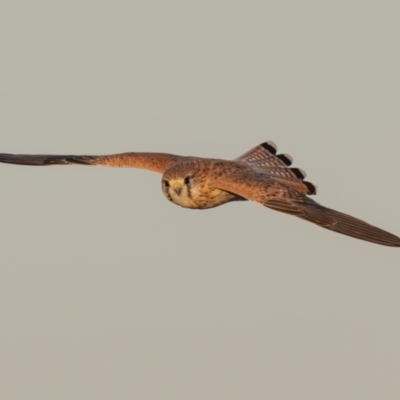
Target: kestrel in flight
(259,175)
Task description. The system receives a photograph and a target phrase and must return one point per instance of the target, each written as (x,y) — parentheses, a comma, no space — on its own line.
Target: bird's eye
(166,184)
(186,181)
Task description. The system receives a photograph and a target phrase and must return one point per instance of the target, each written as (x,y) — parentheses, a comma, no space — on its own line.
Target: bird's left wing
(157,162)
(280,197)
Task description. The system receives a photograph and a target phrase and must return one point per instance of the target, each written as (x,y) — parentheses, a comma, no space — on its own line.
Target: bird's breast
(201,199)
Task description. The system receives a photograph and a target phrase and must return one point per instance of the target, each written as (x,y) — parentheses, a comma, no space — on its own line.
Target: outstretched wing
(263,159)
(157,162)
(279,197)
(336,221)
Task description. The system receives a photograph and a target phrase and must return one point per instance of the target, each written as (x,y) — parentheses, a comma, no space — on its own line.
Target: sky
(109,291)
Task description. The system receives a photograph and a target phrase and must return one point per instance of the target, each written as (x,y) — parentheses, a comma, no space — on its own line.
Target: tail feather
(263,159)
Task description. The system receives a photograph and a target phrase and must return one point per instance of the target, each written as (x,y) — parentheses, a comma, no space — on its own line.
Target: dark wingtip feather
(309,210)
(37,159)
(20,159)
(346,224)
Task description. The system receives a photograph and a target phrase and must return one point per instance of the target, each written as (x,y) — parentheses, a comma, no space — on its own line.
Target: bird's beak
(177,188)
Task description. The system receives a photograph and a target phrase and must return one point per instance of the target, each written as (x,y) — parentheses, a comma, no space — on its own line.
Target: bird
(259,175)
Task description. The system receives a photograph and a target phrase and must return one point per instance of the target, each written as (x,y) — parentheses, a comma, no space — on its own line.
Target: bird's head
(183,185)
(190,184)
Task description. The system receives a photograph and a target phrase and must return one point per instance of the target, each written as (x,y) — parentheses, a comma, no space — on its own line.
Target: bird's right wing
(157,162)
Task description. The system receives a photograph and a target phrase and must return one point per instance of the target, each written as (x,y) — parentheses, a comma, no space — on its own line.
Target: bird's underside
(259,175)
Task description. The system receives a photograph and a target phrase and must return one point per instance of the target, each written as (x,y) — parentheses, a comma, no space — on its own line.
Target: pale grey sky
(108,291)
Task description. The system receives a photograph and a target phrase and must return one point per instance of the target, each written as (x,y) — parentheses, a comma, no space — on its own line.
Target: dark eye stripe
(186,181)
